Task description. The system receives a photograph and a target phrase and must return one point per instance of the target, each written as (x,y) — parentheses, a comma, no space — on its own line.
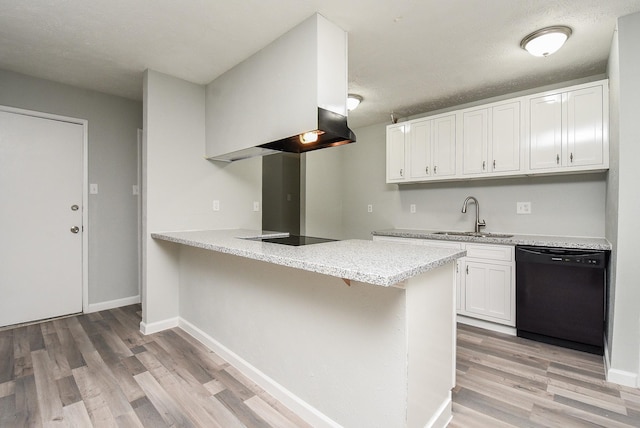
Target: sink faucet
(479,223)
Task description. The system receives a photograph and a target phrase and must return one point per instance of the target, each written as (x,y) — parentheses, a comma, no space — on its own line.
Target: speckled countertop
(378,263)
(532,240)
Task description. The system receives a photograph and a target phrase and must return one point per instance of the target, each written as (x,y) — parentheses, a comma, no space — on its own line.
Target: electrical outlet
(93,189)
(523,207)
(216,205)
(369,208)
(256,205)
(135,190)
(412,208)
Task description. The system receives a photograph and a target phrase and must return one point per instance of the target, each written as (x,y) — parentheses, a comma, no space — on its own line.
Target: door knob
(74,208)
(75,229)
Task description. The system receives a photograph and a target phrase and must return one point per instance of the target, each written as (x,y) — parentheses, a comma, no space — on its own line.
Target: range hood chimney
(291,96)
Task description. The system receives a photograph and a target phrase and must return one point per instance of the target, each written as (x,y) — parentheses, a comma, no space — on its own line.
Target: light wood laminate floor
(99,370)
(506,381)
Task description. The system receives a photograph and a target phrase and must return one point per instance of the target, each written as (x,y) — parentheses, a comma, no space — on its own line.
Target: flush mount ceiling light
(353,101)
(545,41)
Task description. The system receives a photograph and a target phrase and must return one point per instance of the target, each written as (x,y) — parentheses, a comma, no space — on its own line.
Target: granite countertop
(532,240)
(373,262)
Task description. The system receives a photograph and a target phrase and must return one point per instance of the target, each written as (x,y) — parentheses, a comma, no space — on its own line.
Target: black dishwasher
(561,296)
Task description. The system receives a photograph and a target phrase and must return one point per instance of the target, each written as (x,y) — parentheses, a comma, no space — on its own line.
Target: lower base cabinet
(484,280)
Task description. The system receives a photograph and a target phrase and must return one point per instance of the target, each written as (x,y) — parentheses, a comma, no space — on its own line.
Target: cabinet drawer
(490,252)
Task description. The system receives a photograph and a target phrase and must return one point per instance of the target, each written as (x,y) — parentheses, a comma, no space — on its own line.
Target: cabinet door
(488,290)
(475,137)
(444,146)
(545,132)
(396,152)
(584,127)
(505,137)
(420,149)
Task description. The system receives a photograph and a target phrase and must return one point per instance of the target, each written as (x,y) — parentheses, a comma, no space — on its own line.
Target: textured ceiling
(405,56)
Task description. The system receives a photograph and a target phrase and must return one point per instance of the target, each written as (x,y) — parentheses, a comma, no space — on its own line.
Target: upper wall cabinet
(555,132)
(568,132)
(396,168)
(491,139)
(421,150)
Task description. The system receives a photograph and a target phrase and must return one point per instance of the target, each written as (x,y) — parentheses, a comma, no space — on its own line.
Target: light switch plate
(93,189)
(523,207)
(135,190)
(256,205)
(412,208)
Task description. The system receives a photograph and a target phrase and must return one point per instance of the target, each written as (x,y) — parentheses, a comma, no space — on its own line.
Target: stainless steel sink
(474,234)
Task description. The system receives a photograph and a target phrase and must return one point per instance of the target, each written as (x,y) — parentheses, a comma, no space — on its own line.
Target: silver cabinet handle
(484,164)
(457,267)
(75,229)
(494,164)
(435,169)
(467,270)
(557,159)
(401,174)
(426,170)
(571,157)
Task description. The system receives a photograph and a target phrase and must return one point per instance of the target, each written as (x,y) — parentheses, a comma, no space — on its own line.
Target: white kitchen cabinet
(432,148)
(396,152)
(475,140)
(585,127)
(489,283)
(491,139)
(488,290)
(421,149)
(567,130)
(484,280)
(555,132)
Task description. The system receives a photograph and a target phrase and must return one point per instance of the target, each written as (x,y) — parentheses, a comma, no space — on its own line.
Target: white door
(444,146)
(396,152)
(505,137)
(420,149)
(545,132)
(41,182)
(585,122)
(475,136)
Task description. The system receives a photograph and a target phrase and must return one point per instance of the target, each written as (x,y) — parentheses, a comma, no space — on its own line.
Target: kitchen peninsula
(345,333)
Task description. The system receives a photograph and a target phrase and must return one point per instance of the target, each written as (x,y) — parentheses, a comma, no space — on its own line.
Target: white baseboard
(443,415)
(157,326)
(303,409)
(487,325)
(620,377)
(103,306)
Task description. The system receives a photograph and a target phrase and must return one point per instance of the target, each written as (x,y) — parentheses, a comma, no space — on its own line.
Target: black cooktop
(295,240)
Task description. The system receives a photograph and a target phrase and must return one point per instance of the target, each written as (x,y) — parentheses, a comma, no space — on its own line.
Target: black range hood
(332,131)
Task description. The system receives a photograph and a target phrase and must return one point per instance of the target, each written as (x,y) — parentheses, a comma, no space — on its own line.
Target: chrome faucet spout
(478,223)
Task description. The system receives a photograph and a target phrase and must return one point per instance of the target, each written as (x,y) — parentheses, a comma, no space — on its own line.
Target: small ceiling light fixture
(353,101)
(545,41)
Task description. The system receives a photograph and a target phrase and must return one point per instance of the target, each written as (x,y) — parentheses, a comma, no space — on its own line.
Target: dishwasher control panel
(562,256)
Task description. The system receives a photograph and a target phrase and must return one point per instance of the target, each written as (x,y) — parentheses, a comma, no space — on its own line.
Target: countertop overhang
(378,263)
(531,240)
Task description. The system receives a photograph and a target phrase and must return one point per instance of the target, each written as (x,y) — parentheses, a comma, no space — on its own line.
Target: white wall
(112,124)
(623,203)
(180,185)
(571,205)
